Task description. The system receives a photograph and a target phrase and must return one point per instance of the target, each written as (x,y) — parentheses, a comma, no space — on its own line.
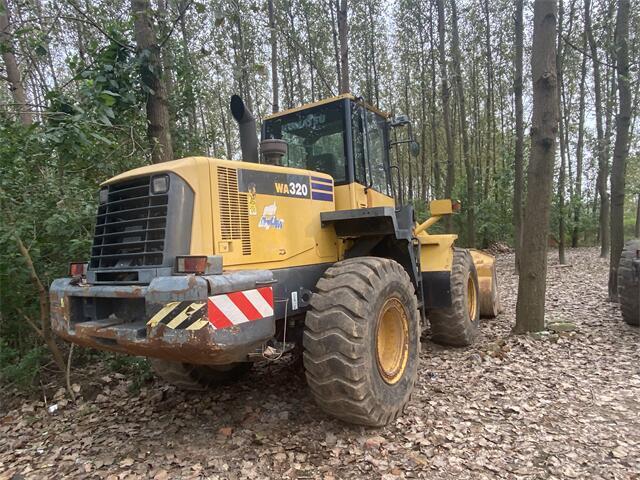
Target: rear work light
(191,264)
(78,269)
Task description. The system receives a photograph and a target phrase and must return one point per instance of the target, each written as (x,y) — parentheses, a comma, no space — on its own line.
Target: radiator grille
(234,210)
(130,227)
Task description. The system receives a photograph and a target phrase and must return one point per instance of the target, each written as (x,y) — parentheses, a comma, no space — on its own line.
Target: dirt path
(564,406)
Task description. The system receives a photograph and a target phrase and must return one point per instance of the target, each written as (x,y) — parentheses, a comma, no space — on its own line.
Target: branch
(578,49)
(99,28)
(175,22)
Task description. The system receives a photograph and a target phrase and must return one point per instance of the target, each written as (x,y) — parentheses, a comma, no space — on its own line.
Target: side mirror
(414,148)
(399,121)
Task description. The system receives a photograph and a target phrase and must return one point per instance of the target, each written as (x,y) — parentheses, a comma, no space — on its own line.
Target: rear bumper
(166,319)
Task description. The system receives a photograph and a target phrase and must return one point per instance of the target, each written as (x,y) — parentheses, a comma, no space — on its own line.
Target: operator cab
(341,136)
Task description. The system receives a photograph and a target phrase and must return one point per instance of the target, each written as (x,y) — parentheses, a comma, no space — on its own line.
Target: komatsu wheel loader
(207,265)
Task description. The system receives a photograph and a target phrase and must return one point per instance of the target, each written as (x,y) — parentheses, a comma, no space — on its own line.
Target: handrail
(427,223)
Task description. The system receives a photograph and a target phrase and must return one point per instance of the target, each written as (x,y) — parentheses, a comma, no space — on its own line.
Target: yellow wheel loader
(206,265)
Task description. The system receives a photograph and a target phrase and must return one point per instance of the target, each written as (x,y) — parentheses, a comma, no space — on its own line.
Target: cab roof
(329,100)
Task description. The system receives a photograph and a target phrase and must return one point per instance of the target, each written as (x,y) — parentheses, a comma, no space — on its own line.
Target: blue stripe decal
(321,186)
(323,180)
(327,197)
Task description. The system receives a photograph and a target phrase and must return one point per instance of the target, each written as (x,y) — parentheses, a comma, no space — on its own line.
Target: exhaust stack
(247,126)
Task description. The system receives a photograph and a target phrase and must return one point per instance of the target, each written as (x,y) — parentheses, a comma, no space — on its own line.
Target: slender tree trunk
(621,147)
(274,59)
(563,145)
(151,76)
(11,66)
(636,231)
(544,127)
(343,35)
(434,126)
(189,90)
(457,59)
(577,203)
(446,109)
(334,38)
(518,180)
(603,174)
(168,62)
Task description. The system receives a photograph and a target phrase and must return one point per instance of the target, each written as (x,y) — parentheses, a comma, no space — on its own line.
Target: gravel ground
(564,405)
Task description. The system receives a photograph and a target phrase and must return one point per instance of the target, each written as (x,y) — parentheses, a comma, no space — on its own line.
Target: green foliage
(51,173)
(20,369)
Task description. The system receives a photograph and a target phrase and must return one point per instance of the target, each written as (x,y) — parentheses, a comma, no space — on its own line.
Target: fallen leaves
(561,404)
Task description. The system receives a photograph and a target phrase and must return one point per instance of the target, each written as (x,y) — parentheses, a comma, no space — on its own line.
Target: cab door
(371,157)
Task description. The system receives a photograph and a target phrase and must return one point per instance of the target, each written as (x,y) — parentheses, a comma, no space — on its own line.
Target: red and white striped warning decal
(234,308)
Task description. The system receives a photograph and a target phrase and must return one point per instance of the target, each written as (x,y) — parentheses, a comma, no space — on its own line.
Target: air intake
(234,209)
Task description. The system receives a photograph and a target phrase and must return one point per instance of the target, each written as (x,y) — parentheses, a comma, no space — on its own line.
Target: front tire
(629,285)
(458,324)
(362,341)
(187,376)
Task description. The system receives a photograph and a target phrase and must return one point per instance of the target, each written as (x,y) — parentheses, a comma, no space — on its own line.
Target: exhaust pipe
(247,126)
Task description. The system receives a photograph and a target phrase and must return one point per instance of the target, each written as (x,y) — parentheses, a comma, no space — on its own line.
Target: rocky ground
(564,405)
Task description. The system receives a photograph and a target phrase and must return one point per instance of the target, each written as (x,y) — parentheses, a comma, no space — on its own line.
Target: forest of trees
(91,88)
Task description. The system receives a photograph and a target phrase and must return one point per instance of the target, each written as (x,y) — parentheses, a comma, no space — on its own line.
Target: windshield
(315,139)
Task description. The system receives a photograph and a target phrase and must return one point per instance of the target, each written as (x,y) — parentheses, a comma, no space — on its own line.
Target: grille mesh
(130,227)
(234,209)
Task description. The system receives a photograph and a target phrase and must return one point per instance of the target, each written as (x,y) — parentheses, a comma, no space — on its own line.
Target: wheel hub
(472,301)
(392,341)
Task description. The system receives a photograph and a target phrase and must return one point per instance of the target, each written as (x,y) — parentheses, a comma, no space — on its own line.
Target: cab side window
(377,152)
(368,132)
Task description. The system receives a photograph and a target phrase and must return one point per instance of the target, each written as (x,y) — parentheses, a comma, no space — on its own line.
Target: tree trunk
(446,113)
(544,127)
(621,147)
(457,59)
(334,38)
(151,77)
(636,231)
(563,145)
(600,147)
(274,59)
(11,65)
(434,126)
(343,35)
(518,180)
(577,203)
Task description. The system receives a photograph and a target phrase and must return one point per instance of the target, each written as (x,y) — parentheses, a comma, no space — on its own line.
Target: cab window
(368,135)
(315,139)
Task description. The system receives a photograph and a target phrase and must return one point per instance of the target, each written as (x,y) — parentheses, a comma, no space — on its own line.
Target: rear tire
(187,376)
(457,325)
(362,341)
(629,285)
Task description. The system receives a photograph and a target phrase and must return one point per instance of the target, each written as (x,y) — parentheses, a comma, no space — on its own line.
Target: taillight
(78,269)
(191,264)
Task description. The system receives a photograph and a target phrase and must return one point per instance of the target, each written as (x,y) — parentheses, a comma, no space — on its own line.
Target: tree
(446,108)
(623,120)
(603,174)
(577,200)
(274,59)
(13,72)
(158,128)
(518,179)
(544,126)
(471,227)
(343,36)
(563,143)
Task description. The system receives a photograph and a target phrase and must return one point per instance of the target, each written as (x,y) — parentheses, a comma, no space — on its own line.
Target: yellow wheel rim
(472,299)
(392,341)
